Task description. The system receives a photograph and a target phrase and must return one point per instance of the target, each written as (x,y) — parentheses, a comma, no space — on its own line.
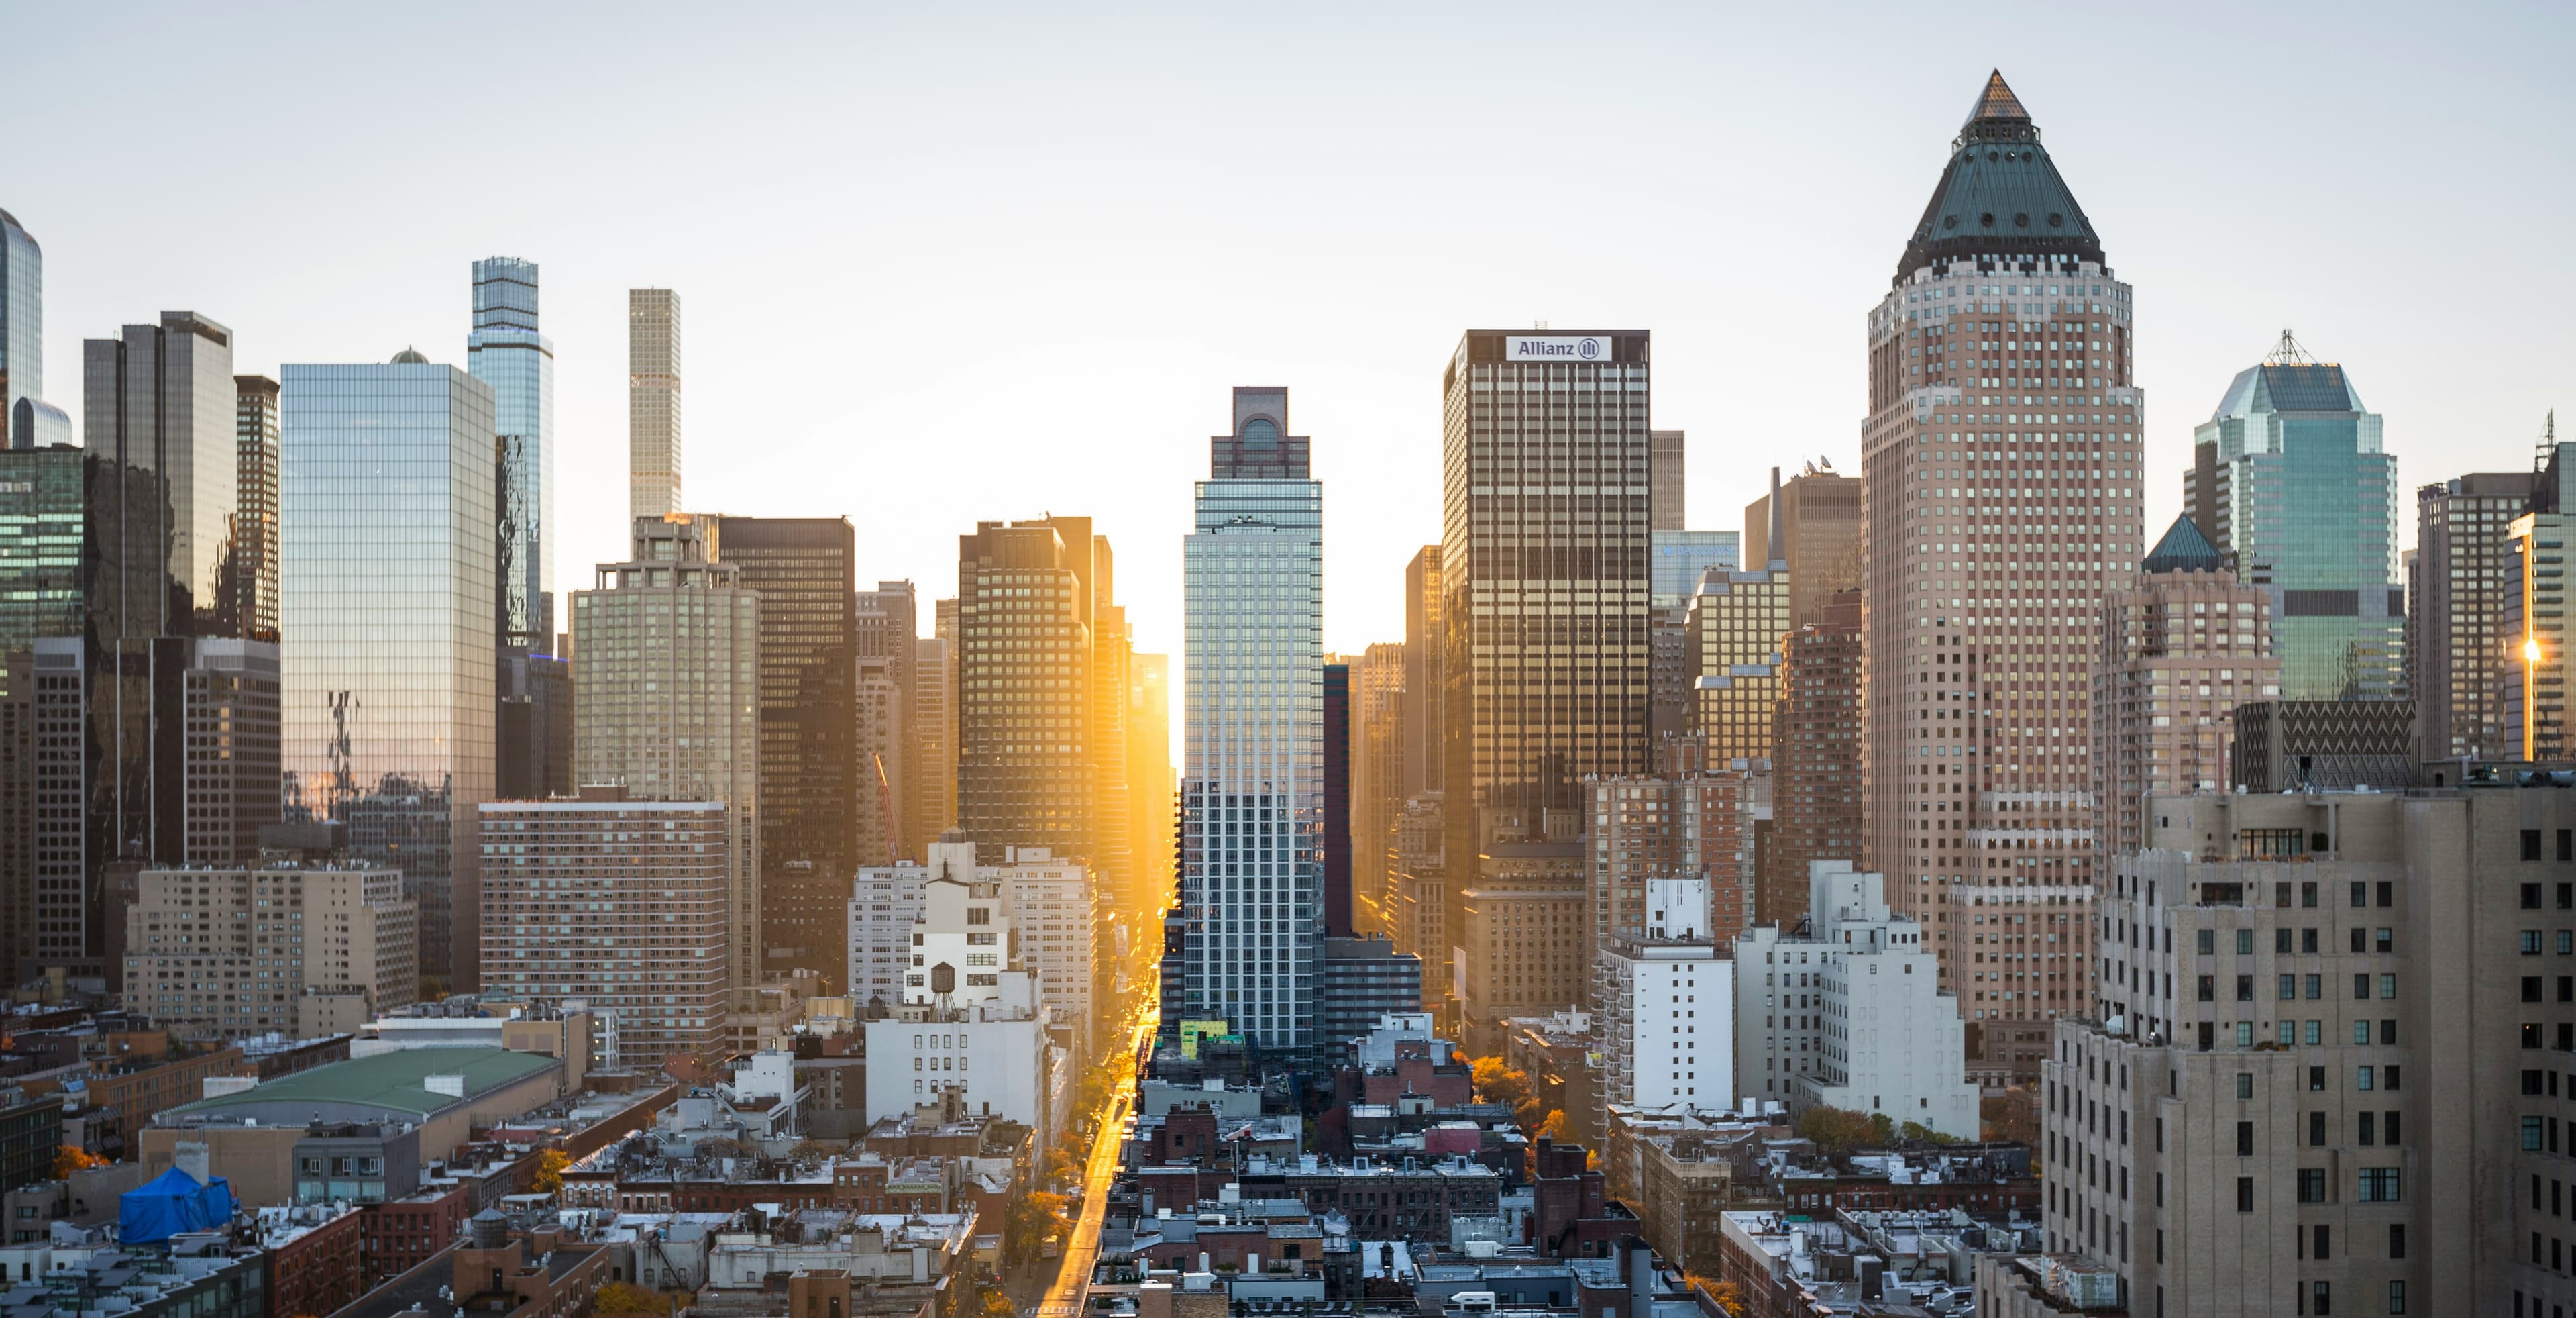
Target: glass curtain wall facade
(801,567)
(506,352)
(2290,482)
(1025,770)
(255,529)
(22,317)
(159,399)
(1252,821)
(390,588)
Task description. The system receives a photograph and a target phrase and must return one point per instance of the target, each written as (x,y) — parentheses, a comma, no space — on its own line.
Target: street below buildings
(1063,1296)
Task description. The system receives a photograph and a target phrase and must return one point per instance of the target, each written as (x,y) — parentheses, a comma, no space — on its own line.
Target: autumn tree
(71,1158)
(1498,1083)
(626,1297)
(550,1170)
(1834,1130)
(1554,1126)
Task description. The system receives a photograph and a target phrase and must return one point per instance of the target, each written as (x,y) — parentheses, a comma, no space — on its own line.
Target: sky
(946,263)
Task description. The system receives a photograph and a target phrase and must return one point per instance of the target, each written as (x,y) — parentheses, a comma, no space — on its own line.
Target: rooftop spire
(1996,102)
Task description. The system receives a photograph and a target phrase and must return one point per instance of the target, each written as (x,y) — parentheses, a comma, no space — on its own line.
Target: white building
(1050,915)
(971,1022)
(1851,1014)
(1665,1005)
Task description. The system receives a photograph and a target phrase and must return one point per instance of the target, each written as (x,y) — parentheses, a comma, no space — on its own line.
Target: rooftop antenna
(2289,353)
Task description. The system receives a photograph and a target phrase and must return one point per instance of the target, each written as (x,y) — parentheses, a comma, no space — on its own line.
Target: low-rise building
(1850,1014)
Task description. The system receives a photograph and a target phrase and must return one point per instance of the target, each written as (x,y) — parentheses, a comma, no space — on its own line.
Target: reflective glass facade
(2290,482)
(506,352)
(801,569)
(1251,880)
(22,316)
(255,529)
(389,591)
(160,400)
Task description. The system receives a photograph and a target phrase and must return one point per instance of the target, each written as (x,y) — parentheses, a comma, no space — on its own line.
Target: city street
(1064,1297)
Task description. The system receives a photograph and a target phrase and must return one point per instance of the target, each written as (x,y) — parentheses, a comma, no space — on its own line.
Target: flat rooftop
(393,1084)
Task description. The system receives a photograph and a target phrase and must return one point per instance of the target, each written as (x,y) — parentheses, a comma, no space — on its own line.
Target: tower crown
(2000,203)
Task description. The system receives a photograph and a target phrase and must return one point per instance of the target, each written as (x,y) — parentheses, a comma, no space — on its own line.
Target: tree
(996,1304)
(550,1170)
(1726,1295)
(1554,1126)
(71,1158)
(1919,1133)
(1031,1217)
(1497,1083)
(1834,1130)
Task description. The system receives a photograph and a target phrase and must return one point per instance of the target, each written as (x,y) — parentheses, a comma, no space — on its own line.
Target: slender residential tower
(2000,504)
(1251,909)
(652,402)
(506,352)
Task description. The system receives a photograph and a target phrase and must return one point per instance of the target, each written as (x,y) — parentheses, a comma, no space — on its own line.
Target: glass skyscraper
(1252,792)
(160,399)
(389,591)
(2289,481)
(506,352)
(22,318)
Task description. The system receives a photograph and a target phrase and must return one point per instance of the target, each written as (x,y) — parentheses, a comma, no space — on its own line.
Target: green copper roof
(392,1082)
(2000,195)
(2184,549)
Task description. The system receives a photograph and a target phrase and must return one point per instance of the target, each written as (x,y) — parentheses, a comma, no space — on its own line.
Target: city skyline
(1747,345)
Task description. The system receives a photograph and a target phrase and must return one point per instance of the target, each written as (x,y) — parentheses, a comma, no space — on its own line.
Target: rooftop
(394,1083)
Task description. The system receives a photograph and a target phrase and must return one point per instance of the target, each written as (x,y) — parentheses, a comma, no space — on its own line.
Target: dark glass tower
(802,569)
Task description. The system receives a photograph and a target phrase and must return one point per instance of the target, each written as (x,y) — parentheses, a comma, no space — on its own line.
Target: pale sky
(943,263)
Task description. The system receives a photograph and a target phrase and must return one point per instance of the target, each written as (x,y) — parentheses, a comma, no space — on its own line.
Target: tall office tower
(1679,560)
(931,770)
(22,317)
(2290,483)
(801,567)
(2003,428)
(1815,758)
(877,700)
(1425,747)
(2540,643)
(1337,798)
(652,402)
(255,525)
(2180,651)
(1848,1013)
(884,625)
(159,400)
(1545,657)
(1666,495)
(229,711)
(1377,780)
(1113,656)
(2353,1032)
(670,687)
(395,742)
(646,940)
(2457,650)
(506,352)
(1685,825)
(1735,626)
(1644,979)
(54,561)
(532,729)
(1819,520)
(1252,785)
(349,951)
(1025,771)
(1150,784)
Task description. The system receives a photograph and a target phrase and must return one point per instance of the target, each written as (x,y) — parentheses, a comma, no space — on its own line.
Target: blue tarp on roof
(171,1204)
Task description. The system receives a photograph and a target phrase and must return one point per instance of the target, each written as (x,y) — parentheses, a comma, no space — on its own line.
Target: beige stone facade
(233,951)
